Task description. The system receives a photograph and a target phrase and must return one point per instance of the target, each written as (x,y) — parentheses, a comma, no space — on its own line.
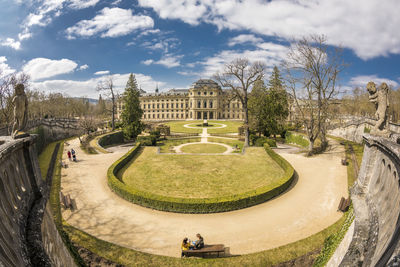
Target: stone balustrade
(376,202)
(22,192)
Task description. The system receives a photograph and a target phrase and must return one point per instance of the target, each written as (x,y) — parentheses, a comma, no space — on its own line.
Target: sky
(69,46)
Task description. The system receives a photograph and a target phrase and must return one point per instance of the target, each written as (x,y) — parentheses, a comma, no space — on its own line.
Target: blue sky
(69,46)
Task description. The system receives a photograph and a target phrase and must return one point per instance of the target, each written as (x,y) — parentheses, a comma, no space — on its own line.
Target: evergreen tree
(258,108)
(277,102)
(131,111)
(268,106)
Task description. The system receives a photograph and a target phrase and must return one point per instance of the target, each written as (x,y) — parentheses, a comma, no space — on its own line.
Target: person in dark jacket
(199,242)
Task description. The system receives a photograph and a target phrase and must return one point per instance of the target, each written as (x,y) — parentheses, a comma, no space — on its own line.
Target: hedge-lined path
(309,207)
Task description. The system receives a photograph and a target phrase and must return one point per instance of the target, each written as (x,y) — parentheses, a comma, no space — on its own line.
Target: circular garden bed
(198,183)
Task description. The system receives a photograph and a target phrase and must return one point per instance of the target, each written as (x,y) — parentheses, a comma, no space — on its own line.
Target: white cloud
(84,67)
(24,35)
(190,11)
(244,38)
(81,4)
(147,62)
(44,11)
(110,22)
(362,80)
(165,45)
(102,72)
(147,32)
(88,87)
(166,60)
(268,53)
(40,68)
(5,69)
(369,28)
(10,42)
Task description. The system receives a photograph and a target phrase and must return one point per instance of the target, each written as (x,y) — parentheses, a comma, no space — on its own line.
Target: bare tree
(312,74)
(107,86)
(240,76)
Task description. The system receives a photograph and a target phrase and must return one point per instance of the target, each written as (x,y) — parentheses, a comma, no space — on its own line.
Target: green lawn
(198,176)
(178,126)
(45,158)
(232,142)
(166,145)
(203,148)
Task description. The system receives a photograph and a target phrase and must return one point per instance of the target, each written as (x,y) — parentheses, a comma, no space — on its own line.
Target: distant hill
(91,100)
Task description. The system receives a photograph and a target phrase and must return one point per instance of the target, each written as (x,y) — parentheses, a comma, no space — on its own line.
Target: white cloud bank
(369,28)
(110,22)
(5,69)
(88,87)
(40,68)
(362,80)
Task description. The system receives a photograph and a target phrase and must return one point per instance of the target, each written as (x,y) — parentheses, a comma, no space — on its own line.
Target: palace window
(204,104)
(153,106)
(198,93)
(211,104)
(167,115)
(199,104)
(154,116)
(205,93)
(158,116)
(167,105)
(158,105)
(181,105)
(211,93)
(162,105)
(172,105)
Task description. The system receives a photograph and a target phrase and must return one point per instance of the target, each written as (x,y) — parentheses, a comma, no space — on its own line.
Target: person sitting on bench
(185,245)
(199,242)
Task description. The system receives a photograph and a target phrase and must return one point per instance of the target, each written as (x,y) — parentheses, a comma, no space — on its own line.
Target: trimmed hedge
(111,139)
(198,205)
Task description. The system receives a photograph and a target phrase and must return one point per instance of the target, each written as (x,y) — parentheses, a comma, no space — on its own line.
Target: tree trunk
(113,113)
(311,147)
(246,123)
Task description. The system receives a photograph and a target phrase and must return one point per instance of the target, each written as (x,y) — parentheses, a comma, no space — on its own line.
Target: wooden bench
(207,249)
(344,204)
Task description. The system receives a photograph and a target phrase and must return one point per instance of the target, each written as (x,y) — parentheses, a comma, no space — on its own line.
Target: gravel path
(307,208)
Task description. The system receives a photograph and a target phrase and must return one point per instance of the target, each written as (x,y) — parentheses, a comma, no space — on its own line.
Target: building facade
(204,100)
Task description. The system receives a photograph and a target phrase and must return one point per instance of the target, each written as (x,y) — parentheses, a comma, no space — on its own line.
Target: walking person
(69,155)
(73,154)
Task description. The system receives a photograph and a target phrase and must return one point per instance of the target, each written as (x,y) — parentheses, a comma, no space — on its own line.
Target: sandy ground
(307,208)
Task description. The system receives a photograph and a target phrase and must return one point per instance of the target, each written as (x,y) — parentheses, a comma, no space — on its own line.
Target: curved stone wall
(23,193)
(376,201)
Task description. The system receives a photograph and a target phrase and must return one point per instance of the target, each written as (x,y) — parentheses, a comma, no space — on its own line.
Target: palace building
(204,100)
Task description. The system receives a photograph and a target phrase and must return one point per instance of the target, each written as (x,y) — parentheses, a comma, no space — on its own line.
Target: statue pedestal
(205,123)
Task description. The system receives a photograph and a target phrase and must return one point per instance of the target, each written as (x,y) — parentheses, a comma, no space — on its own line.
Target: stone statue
(20,102)
(381,100)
